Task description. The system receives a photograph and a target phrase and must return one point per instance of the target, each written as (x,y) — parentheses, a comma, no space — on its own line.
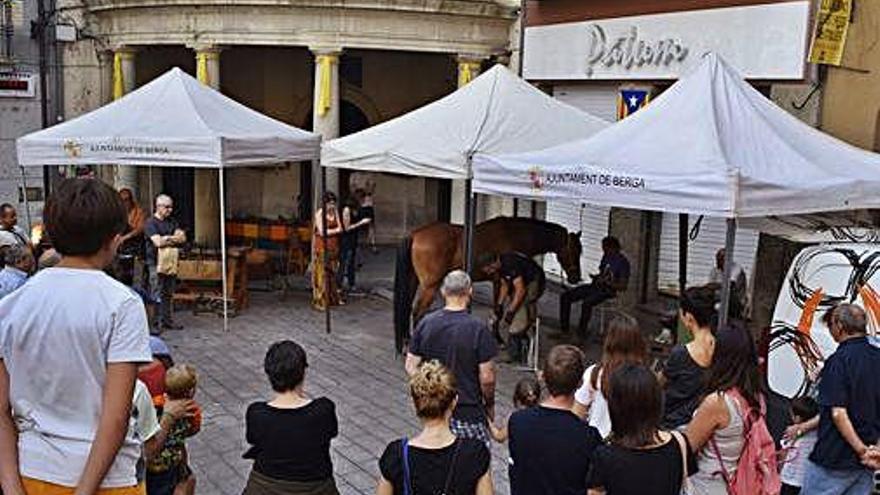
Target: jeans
(591,296)
(162,289)
(821,481)
(347,265)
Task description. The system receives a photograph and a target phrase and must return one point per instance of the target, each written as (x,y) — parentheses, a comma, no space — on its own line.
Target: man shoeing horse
(516,306)
(430,252)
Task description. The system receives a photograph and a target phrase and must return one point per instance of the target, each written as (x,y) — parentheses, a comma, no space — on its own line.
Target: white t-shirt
(15,237)
(594,400)
(795,461)
(57,335)
(143,424)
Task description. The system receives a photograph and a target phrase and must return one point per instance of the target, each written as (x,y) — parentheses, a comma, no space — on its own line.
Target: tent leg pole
(324,253)
(27,206)
(682,253)
(728,267)
(221,188)
(469,212)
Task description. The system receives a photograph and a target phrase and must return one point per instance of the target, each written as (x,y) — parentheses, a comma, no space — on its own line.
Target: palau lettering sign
(763,41)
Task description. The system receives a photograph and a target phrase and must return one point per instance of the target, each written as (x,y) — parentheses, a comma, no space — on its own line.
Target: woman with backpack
(735,454)
(434,461)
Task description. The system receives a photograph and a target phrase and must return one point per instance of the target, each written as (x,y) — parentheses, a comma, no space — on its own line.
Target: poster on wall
(829,37)
(820,278)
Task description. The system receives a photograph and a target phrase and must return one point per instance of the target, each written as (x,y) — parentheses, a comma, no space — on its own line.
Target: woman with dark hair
(684,376)
(325,290)
(733,392)
(290,435)
(434,461)
(623,345)
(637,444)
(352,223)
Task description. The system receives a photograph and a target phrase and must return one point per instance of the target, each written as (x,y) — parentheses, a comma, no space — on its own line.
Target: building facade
(22,101)
(610,58)
(325,65)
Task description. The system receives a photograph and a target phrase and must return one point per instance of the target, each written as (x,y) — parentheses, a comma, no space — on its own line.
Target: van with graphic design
(820,277)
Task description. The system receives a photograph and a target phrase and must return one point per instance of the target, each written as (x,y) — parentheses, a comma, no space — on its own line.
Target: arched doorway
(351,120)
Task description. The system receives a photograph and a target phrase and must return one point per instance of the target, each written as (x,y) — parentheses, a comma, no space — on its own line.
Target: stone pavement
(354,366)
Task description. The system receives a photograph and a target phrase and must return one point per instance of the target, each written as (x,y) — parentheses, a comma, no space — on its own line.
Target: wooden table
(201,282)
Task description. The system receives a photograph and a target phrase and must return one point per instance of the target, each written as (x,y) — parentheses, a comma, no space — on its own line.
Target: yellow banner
(467,72)
(829,38)
(118,83)
(325,64)
(202,68)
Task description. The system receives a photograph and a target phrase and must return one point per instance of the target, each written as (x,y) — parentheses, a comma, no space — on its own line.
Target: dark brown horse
(430,252)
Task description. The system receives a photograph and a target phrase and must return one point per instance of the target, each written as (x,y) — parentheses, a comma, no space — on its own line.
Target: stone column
(468,70)
(207,196)
(123,82)
(325,111)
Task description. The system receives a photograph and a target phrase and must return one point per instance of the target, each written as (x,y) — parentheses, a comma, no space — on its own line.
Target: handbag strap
(683,448)
(449,473)
(407,479)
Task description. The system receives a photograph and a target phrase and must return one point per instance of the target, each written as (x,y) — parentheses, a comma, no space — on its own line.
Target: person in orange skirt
(325,289)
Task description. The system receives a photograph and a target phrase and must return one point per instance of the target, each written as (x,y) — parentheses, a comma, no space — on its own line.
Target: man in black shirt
(516,305)
(463,344)
(550,448)
(613,277)
(161,232)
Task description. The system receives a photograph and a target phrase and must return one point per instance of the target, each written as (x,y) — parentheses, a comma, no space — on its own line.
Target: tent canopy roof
(711,144)
(495,113)
(172,121)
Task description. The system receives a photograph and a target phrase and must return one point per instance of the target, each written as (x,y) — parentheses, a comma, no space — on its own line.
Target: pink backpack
(756,471)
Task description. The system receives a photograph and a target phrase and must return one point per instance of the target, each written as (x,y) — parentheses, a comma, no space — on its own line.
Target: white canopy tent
(710,145)
(496,113)
(173,121)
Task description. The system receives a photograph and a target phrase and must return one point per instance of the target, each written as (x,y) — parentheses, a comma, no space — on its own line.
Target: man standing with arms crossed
(463,344)
(162,231)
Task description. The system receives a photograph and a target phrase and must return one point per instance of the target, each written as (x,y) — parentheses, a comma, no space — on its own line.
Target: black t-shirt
(655,471)
(850,379)
(684,387)
(550,452)
(514,265)
(154,226)
(292,444)
(350,237)
(429,468)
(460,342)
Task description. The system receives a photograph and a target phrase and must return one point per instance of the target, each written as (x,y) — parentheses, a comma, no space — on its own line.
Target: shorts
(37,487)
(467,429)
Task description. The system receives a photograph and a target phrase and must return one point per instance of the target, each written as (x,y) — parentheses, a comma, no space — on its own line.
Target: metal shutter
(701,251)
(601,101)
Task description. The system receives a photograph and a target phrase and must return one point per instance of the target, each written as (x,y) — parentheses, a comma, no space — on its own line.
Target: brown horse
(430,252)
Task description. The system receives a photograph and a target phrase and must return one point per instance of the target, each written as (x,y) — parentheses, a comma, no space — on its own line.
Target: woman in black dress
(659,459)
(290,435)
(434,461)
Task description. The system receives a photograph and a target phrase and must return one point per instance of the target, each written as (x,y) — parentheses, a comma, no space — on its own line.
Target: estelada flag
(629,101)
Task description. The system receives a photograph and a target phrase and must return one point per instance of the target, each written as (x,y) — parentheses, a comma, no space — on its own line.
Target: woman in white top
(624,344)
(716,432)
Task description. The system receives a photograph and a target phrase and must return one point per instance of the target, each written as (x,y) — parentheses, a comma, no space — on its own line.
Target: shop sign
(17,85)
(765,41)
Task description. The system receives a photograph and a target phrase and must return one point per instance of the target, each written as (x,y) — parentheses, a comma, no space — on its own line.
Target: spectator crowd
(91,403)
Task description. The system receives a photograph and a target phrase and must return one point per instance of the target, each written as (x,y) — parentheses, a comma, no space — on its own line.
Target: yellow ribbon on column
(202,68)
(118,83)
(325,63)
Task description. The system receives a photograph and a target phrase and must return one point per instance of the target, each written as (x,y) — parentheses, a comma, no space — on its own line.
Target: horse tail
(404,293)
